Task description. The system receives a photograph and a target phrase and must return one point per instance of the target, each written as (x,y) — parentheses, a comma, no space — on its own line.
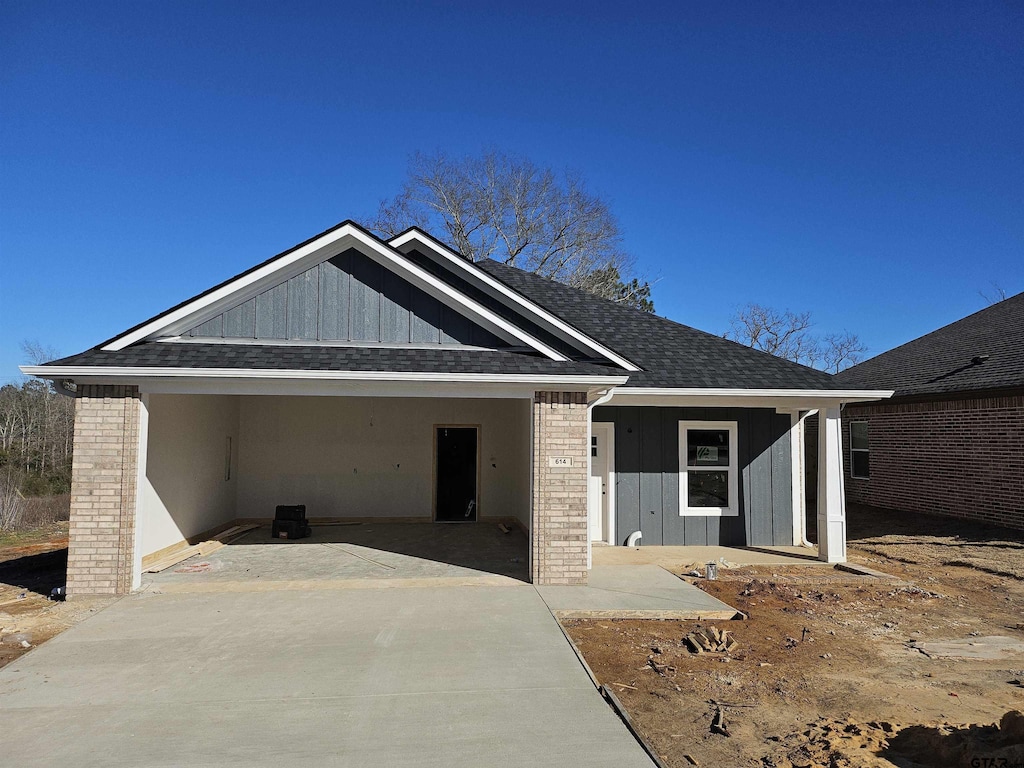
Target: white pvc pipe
(634,537)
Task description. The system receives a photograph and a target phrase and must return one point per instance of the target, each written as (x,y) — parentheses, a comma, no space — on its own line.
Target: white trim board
(112,372)
(510,298)
(191,381)
(300,259)
(786,399)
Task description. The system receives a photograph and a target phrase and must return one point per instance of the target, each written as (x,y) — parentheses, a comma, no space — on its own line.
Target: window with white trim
(708,474)
(860,463)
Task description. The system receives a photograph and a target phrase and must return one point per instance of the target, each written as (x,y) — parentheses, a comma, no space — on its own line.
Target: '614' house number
(559,461)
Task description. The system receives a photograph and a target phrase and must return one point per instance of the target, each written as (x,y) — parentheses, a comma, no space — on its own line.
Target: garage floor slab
(361,556)
(634,592)
(400,677)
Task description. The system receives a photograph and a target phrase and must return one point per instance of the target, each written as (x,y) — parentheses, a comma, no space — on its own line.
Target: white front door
(599,490)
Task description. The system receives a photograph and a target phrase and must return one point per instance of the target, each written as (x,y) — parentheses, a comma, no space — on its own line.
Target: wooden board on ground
(202,548)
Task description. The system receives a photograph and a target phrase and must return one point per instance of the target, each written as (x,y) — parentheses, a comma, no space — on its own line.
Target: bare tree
(507,208)
(11,500)
(36,431)
(994,296)
(787,334)
(784,334)
(841,350)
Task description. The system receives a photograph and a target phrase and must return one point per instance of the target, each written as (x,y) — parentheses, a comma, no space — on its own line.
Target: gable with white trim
(348,298)
(233,295)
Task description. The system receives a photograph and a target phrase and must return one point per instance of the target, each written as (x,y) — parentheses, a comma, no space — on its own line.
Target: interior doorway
(456,473)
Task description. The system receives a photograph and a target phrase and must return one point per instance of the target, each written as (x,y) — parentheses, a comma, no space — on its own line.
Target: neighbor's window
(708,480)
(860,466)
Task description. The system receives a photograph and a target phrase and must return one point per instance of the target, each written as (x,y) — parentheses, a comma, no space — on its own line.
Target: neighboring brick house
(951,440)
(379,379)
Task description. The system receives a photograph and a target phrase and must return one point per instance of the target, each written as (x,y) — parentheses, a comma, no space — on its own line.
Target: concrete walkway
(434,676)
(634,592)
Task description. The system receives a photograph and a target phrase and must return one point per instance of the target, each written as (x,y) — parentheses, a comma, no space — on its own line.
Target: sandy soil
(31,564)
(827,672)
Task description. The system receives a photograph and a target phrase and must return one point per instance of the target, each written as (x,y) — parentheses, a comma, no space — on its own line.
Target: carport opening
(377,476)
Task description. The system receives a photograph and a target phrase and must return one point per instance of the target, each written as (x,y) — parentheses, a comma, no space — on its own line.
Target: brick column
(103,485)
(559,529)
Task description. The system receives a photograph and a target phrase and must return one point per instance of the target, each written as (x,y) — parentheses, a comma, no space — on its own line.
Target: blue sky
(863,161)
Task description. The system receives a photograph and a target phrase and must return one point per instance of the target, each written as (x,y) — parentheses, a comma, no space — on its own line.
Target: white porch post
(831,499)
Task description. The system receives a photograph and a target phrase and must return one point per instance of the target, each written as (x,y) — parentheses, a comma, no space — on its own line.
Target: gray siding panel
(348,298)
(647,477)
(272,313)
(426,320)
(367,277)
(627,472)
(759,516)
(212,327)
(454,327)
(303,303)
(651,471)
(395,301)
(240,322)
(782,481)
(673,526)
(334,298)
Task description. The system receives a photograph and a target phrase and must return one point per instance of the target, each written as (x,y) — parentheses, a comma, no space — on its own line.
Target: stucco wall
(374,457)
(185,492)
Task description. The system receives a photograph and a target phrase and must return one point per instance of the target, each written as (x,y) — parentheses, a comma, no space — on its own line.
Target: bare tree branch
(787,334)
(506,208)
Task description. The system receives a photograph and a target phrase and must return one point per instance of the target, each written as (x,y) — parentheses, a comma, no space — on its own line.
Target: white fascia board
(327,383)
(755,398)
(512,299)
(300,259)
(111,373)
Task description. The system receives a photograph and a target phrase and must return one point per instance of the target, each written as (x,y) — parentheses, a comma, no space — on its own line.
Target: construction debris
(711,640)
(203,548)
(718,725)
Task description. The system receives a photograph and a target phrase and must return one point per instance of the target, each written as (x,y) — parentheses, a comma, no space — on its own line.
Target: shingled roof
(296,357)
(670,355)
(983,351)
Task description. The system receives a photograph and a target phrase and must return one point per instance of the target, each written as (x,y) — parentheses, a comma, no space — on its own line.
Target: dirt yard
(830,668)
(31,564)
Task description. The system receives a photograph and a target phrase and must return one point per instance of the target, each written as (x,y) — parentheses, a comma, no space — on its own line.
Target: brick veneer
(559,523)
(963,458)
(103,481)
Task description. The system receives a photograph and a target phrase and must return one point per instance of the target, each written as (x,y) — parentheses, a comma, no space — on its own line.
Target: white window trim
(861,450)
(685,510)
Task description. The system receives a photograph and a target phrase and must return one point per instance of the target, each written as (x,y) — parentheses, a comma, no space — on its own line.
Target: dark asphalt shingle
(671,354)
(941,361)
(315,358)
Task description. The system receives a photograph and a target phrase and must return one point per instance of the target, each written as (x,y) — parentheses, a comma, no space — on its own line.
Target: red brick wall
(963,458)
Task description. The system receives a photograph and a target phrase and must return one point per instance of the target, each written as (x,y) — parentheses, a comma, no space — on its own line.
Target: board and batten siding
(348,298)
(647,477)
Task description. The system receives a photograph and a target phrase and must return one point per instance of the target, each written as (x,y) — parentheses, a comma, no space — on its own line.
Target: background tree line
(37,426)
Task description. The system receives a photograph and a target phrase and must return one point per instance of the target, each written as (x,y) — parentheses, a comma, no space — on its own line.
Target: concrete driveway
(434,676)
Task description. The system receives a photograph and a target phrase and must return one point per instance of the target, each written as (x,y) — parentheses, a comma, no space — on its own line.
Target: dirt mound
(845,744)
(970,745)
